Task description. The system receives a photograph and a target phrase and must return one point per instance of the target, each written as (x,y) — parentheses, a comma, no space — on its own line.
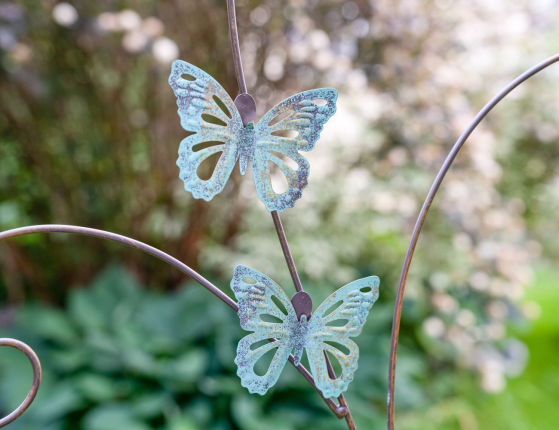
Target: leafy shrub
(123,357)
(89,134)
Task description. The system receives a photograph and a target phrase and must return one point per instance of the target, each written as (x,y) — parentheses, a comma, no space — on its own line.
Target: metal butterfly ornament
(324,332)
(221,125)
(197,96)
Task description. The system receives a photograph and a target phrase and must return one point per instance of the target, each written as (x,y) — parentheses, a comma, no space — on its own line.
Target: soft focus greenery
(122,357)
(89,136)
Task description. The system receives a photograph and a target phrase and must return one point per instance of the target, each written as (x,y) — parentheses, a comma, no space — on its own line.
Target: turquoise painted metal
(254,292)
(196,97)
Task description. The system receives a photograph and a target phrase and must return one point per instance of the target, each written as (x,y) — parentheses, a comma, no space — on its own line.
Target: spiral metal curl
(37,373)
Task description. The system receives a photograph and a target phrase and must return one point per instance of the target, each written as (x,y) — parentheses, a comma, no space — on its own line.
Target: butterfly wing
(328,329)
(254,292)
(307,119)
(197,102)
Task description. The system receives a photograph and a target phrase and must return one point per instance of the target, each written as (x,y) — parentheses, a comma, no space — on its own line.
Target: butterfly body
(261,144)
(299,331)
(317,336)
(247,145)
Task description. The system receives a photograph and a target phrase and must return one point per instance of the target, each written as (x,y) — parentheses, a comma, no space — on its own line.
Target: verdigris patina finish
(196,93)
(319,334)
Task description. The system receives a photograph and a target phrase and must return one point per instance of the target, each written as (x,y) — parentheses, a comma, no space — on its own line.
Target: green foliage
(529,400)
(121,356)
(89,136)
(124,357)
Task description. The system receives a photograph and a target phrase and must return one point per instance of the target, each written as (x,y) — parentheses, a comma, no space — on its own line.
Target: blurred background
(89,135)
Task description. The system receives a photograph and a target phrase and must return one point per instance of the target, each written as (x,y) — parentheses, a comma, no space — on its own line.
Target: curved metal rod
(60,228)
(339,410)
(37,373)
(423,214)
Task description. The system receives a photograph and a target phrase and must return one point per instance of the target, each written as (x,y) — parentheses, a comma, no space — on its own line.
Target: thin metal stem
(286,252)
(340,411)
(235,48)
(423,214)
(297,282)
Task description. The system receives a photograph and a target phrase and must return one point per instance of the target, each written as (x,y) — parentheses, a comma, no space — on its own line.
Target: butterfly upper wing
(307,119)
(357,298)
(196,98)
(254,292)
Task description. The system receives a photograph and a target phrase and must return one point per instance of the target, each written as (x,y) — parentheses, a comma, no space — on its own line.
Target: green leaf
(85,312)
(61,400)
(113,416)
(182,423)
(150,405)
(68,360)
(96,388)
(48,323)
(188,367)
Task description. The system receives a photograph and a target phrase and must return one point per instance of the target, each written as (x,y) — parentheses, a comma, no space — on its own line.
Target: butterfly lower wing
(296,178)
(316,352)
(190,160)
(254,292)
(354,302)
(197,104)
(247,358)
(307,119)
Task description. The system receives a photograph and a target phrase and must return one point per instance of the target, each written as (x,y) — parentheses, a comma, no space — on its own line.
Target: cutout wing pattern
(255,293)
(196,100)
(196,93)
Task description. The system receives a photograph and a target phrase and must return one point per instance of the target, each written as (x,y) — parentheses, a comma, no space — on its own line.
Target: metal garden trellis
(245,104)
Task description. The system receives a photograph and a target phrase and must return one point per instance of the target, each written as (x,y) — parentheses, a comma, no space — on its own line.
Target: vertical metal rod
(235,48)
(286,251)
(342,409)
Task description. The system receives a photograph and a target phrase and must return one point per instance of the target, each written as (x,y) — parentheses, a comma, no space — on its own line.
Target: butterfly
(341,316)
(199,99)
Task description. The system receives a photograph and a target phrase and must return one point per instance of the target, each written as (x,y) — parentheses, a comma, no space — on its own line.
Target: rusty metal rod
(340,411)
(60,228)
(299,287)
(286,251)
(423,214)
(238,63)
(37,374)
(235,48)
